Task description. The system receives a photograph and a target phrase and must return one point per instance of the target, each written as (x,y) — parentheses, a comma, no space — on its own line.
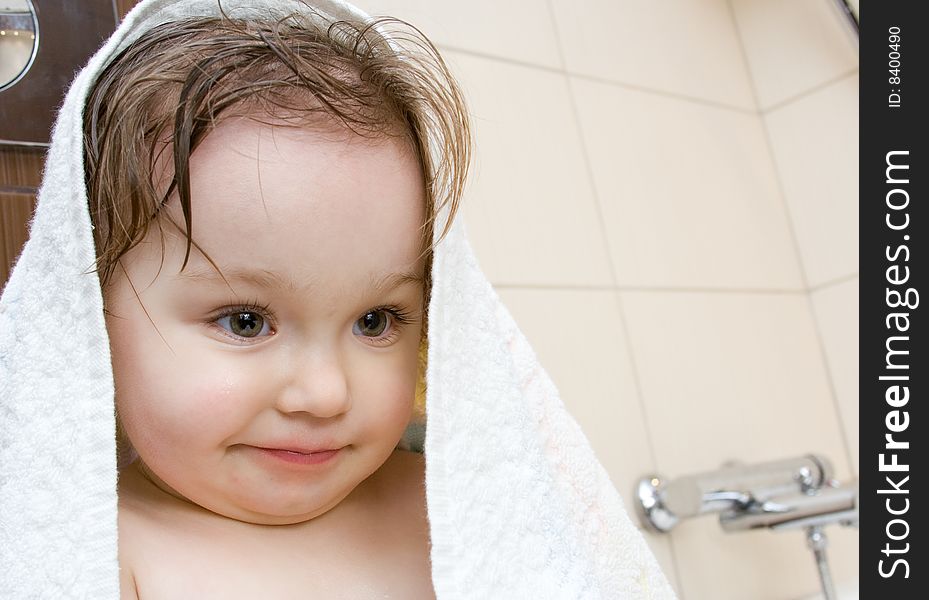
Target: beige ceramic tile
(688,192)
(842,553)
(677,46)
(815,146)
(759,564)
(519,30)
(530,206)
(793,45)
(732,377)
(836,310)
(660,545)
(580,341)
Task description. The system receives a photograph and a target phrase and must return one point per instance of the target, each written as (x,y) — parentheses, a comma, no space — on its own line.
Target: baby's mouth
(299,455)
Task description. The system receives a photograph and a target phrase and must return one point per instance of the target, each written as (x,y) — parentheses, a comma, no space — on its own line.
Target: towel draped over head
(518,505)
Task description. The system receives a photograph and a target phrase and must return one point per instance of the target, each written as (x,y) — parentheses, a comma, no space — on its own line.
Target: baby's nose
(319,387)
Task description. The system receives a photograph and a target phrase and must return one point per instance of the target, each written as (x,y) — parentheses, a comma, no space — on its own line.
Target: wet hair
(158,99)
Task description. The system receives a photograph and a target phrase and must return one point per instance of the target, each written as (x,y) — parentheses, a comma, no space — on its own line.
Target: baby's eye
(245,323)
(383,324)
(372,324)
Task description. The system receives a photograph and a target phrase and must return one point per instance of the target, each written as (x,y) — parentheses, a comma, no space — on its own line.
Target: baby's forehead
(251,134)
(300,172)
(248,278)
(265,195)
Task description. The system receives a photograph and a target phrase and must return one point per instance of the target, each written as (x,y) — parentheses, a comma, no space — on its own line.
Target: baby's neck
(169,545)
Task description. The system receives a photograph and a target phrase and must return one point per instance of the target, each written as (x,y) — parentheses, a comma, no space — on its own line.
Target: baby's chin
(275,515)
(263,508)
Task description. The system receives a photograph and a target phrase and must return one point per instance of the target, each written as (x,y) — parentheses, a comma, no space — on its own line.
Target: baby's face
(270,398)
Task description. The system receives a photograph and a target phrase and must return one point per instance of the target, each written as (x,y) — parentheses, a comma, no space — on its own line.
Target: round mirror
(19,40)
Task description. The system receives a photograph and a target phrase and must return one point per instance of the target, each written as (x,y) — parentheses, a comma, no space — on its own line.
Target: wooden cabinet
(20,175)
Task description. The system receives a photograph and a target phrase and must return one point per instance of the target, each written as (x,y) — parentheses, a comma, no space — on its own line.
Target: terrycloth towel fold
(518,505)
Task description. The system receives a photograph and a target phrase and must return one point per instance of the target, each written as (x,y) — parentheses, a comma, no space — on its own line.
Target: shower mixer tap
(779,495)
(775,489)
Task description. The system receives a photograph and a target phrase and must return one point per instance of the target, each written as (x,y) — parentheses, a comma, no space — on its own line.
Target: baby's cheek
(195,410)
(157,420)
(393,407)
(218,403)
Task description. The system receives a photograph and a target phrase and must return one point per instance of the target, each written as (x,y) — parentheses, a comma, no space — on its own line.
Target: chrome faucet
(784,494)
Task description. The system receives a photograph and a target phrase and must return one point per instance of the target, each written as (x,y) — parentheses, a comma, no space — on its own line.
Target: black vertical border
(893,124)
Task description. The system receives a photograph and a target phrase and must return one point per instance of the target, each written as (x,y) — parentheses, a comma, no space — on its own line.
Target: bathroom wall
(665,195)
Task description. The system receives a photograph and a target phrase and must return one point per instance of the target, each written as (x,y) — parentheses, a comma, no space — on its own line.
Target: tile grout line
(647,289)
(746,65)
(503,59)
(797,253)
(609,256)
(596,79)
(833,282)
(772,158)
(809,92)
(840,421)
(603,231)
(664,93)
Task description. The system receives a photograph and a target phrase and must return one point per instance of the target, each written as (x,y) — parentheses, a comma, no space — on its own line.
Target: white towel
(518,505)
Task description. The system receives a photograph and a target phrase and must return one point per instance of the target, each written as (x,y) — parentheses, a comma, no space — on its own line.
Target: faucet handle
(774,507)
(745,501)
(740,499)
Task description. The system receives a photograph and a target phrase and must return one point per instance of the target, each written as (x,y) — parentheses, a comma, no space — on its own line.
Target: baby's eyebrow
(271,279)
(394,280)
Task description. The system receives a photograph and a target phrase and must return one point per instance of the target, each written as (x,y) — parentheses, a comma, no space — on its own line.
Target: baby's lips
(299,448)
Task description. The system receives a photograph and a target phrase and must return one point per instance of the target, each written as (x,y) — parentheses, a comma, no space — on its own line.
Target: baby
(264,196)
